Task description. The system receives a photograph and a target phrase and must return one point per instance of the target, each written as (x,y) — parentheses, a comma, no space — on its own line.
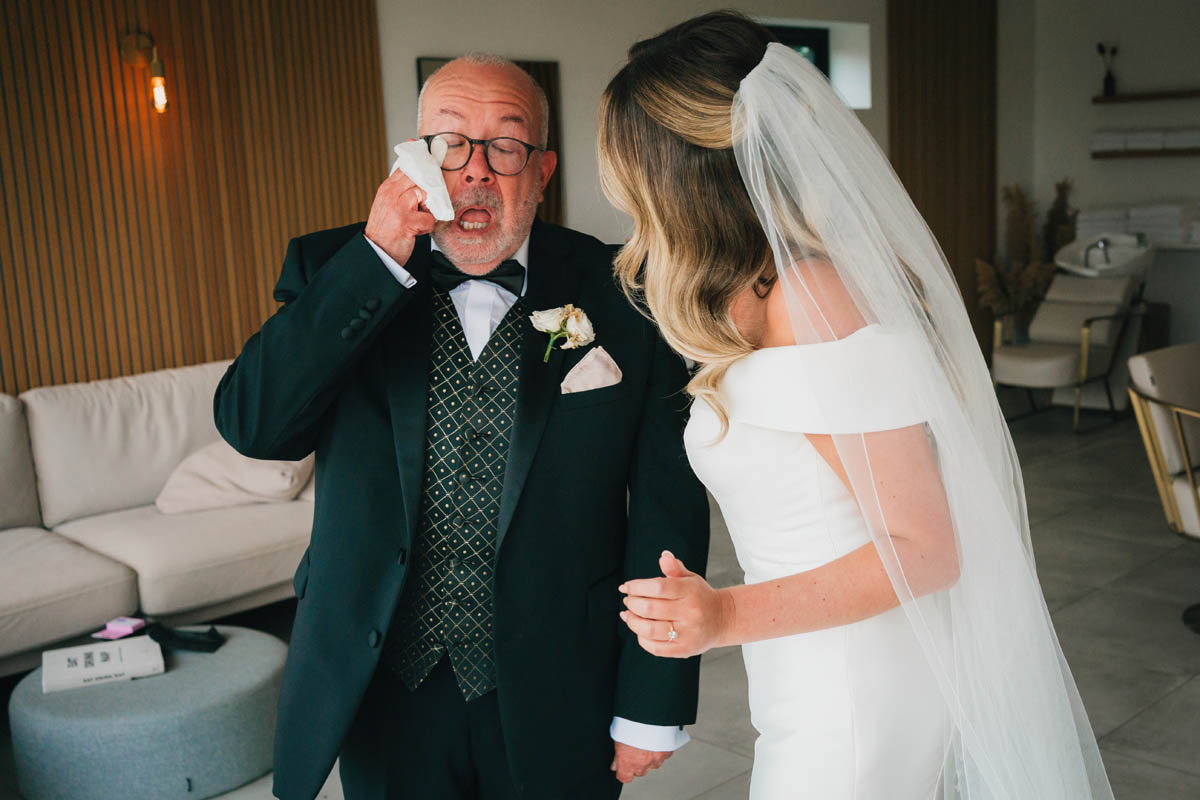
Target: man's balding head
(480,66)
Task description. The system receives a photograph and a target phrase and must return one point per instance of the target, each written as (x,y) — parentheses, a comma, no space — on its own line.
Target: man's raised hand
(398,216)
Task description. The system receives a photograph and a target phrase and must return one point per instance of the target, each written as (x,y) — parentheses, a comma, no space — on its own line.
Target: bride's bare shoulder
(821,296)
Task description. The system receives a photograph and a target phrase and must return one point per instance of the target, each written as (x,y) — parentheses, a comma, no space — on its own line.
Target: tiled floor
(1114,577)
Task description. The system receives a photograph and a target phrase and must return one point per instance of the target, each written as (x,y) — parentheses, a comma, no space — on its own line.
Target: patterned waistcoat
(448,601)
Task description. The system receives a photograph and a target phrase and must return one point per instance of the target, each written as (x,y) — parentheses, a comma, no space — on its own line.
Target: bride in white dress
(896,641)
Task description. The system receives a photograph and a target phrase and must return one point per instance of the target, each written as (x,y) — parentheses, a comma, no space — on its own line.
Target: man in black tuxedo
(477,506)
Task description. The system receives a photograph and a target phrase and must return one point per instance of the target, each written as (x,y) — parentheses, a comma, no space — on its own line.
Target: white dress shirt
(481,305)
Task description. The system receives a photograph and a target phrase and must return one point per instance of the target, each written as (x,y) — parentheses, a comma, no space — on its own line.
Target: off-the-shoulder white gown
(846,713)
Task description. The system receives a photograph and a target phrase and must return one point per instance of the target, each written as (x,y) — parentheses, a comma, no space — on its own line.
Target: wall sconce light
(138,49)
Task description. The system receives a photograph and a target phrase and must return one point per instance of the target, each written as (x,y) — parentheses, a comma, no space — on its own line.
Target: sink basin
(1106,255)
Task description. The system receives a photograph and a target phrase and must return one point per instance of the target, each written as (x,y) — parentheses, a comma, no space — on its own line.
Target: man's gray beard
(505,246)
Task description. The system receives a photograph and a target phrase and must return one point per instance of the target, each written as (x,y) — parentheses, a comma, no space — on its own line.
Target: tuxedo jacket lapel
(553,281)
(405,355)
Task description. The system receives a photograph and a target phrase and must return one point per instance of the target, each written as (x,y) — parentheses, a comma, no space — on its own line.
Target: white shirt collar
(521,257)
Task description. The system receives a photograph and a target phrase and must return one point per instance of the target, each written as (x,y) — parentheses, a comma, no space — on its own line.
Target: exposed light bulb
(158,83)
(159,86)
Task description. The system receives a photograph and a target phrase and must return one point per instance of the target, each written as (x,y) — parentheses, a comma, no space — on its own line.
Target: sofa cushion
(1044,365)
(18,488)
(187,561)
(217,476)
(109,445)
(51,588)
(309,492)
(1074,289)
(1062,323)
(1071,300)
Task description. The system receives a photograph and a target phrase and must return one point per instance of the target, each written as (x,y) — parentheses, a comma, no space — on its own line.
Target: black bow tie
(508,274)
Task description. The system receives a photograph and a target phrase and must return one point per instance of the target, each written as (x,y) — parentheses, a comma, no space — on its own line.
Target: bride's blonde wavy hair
(666,159)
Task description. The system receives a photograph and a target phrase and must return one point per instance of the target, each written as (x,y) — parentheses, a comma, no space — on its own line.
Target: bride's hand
(681,600)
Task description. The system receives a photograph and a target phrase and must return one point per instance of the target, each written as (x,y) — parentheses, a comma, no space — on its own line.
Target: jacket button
(356,324)
(347,333)
(373,638)
(402,556)
(372,304)
(364,314)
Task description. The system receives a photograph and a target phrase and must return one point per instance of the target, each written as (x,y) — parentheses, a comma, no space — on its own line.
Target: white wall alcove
(849,56)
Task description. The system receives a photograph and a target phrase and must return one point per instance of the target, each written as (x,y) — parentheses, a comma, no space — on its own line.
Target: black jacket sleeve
(337,296)
(668,510)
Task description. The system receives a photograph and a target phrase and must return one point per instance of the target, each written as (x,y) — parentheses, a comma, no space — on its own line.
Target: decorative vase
(1110,84)
(1021,321)
(1060,220)
(1020,335)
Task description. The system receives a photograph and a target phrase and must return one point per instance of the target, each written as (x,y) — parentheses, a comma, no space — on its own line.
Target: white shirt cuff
(399,272)
(657,738)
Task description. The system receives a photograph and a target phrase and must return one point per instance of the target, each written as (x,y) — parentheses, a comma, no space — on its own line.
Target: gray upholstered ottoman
(203,727)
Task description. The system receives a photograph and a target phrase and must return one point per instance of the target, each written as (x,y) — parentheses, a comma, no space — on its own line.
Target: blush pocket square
(594,371)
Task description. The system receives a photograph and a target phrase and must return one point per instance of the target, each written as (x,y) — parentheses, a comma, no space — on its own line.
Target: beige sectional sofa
(81,540)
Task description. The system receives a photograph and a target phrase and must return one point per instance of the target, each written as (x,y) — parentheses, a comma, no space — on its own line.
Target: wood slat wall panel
(20,174)
(16,299)
(942,127)
(133,241)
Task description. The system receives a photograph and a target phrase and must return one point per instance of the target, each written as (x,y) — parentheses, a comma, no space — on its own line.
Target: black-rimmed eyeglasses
(504,155)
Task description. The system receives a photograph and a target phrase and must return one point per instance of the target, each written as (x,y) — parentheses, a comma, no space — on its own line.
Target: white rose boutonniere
(566,322)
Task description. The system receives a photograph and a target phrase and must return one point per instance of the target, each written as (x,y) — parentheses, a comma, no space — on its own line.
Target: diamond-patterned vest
(448,601)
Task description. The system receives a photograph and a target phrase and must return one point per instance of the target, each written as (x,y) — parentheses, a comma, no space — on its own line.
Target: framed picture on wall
(427,66)
(810,42)
(546,75)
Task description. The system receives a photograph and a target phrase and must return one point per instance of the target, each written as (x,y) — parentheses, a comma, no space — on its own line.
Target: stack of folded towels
(1183,139)
(1090,224)
(1106,141)
(1162,224)
(1144,140)
(1116,141)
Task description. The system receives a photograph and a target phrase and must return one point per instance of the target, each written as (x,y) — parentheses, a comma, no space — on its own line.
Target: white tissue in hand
(415,161)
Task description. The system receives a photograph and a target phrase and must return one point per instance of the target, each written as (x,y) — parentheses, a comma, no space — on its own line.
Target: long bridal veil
(828,199)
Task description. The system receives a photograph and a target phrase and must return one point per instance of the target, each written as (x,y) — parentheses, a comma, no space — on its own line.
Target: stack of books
(102,662)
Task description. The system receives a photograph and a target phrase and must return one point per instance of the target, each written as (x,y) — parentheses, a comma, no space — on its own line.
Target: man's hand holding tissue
(398,216)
